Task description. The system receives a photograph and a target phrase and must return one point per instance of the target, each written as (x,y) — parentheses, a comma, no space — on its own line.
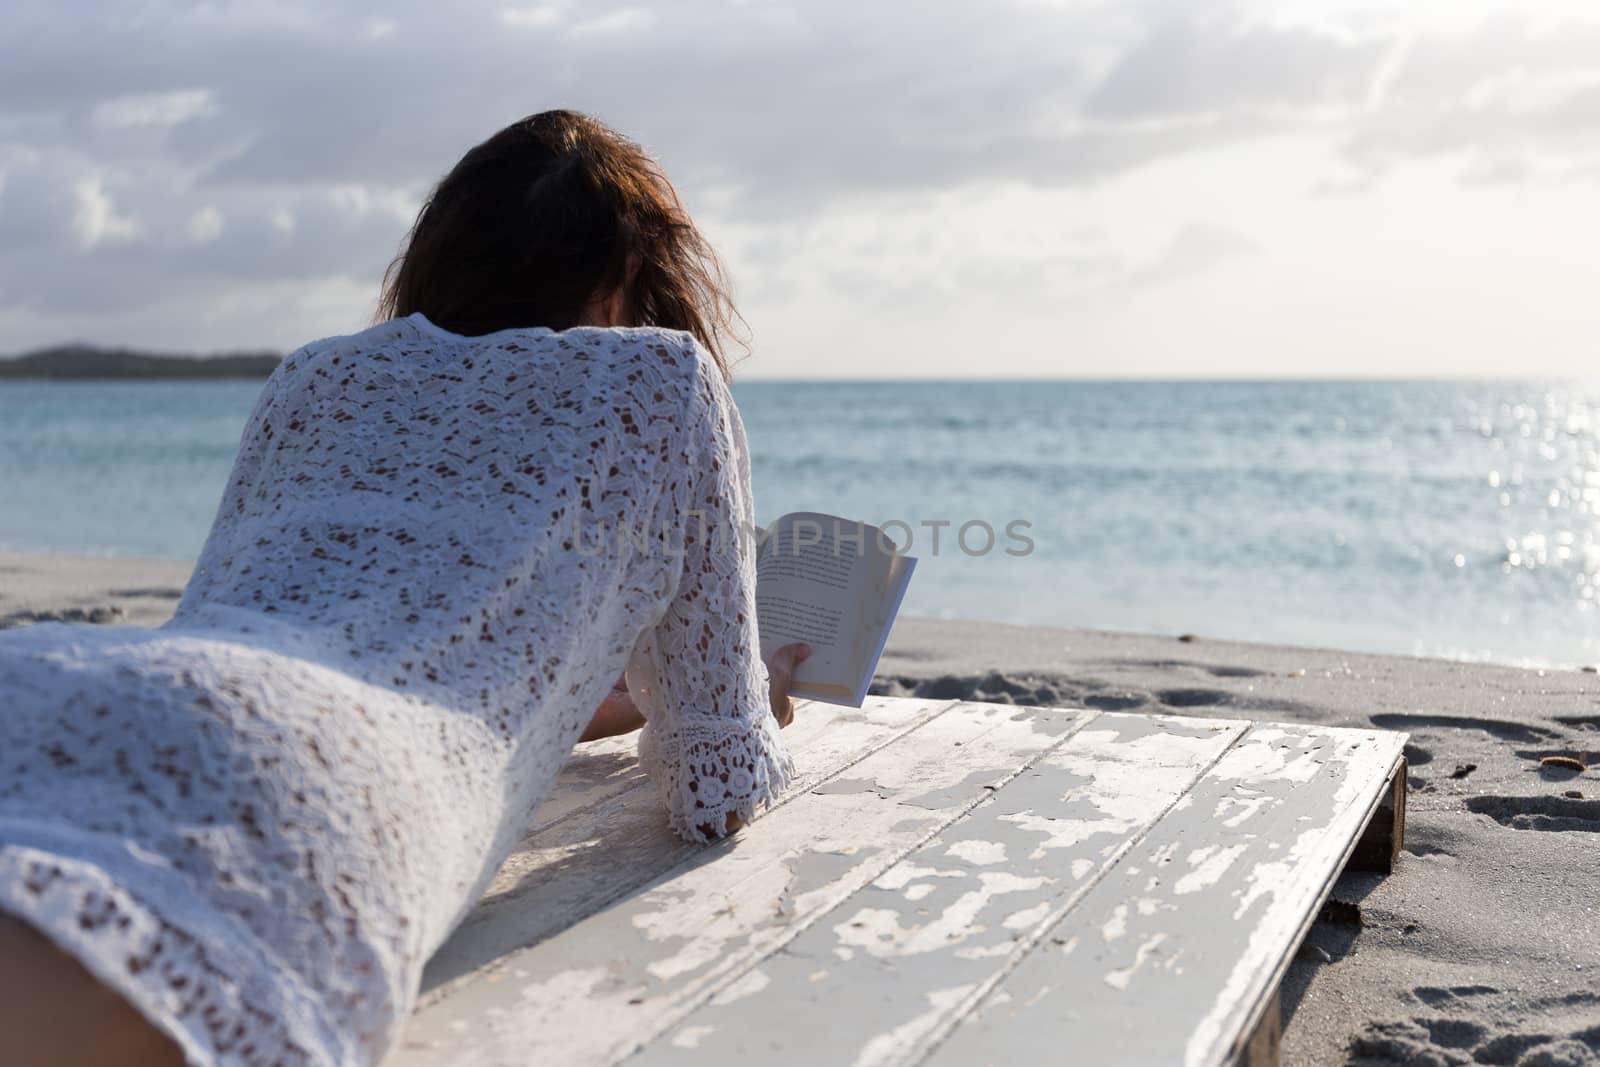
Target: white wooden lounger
(948,883)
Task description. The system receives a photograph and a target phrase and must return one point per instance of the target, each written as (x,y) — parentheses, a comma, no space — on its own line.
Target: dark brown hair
(544,216)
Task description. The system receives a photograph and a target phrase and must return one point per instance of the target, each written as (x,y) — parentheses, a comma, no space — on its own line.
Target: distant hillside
(86,362)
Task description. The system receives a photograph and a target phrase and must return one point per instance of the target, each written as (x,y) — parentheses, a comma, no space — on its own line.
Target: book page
(822,580)
(872,637)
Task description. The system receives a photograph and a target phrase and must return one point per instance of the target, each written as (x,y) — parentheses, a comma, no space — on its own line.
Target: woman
(236,839)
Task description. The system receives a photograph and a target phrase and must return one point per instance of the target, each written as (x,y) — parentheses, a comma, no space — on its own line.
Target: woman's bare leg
(53,1013)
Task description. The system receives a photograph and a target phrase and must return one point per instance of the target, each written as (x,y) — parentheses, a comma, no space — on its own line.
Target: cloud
(1195,249)
(151,148)
(1501,95)
(205,224)
(153,109)
(1192,69)
(621,21)
(95,218)
(776,105)
(536,17)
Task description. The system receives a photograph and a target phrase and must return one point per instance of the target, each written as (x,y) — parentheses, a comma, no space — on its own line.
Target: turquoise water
(1457,519)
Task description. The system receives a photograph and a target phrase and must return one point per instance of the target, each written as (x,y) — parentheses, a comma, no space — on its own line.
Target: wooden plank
(1266,1040)
(1385,835)
(894,967)
(1172,957)
(572,864)
(598,989)
(600,771)
(593,774)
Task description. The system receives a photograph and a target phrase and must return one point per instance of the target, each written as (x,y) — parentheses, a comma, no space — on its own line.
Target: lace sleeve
(710,741)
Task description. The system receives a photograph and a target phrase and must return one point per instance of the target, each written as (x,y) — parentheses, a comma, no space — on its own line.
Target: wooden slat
(592,775)
(599,988)
(601,770)
(1380,843)
(1261,1049)
(601,836)
(894,967)
(1172,957)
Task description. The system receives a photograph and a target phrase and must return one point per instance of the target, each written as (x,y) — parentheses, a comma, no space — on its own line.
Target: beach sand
(1483,945)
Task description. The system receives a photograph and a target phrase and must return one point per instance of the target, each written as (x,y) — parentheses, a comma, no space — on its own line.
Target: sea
(1453,519)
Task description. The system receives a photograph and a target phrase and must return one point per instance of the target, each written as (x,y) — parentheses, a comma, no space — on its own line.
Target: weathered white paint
(1295,884)
(690,1036)
(614,838)
(1206,910)
(1209,865)
(884,1049)
(951,884)
(713,913)
(1088,799)
(981,853)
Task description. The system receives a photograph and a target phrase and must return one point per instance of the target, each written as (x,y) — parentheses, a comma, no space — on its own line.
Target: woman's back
(412,497)
(442,540)
(413,598)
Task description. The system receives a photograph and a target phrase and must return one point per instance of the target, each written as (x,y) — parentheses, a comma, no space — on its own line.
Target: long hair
(546,215)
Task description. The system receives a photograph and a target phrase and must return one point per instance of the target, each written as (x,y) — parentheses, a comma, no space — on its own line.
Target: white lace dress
(258,821)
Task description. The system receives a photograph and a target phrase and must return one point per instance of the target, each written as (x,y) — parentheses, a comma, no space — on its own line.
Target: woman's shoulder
(319,358)
(656,351)
(663,369)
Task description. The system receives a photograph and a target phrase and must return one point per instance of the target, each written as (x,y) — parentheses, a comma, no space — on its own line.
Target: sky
(1012,188)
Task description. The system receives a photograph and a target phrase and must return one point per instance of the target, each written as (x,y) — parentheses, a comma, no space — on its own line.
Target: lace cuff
(707,770)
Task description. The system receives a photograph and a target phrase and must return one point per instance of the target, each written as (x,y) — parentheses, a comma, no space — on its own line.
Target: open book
(836,585)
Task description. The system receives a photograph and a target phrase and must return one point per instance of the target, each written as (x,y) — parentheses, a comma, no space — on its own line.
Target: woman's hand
(780,673)
(616,714)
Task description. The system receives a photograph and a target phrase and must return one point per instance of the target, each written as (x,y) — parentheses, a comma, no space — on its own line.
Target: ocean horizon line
(754,379)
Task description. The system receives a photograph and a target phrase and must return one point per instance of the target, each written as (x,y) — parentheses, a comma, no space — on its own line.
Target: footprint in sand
(1434,996)
(1525,733)
(1417,755)
(1215,670)
(1194,698)
(994,688)
(1539,813)
(1417,1041)
(1581,722)
(1490,1036)
(1111,702)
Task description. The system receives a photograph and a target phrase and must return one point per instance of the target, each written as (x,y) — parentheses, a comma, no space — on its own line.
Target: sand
(36,588)
(1483,945)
